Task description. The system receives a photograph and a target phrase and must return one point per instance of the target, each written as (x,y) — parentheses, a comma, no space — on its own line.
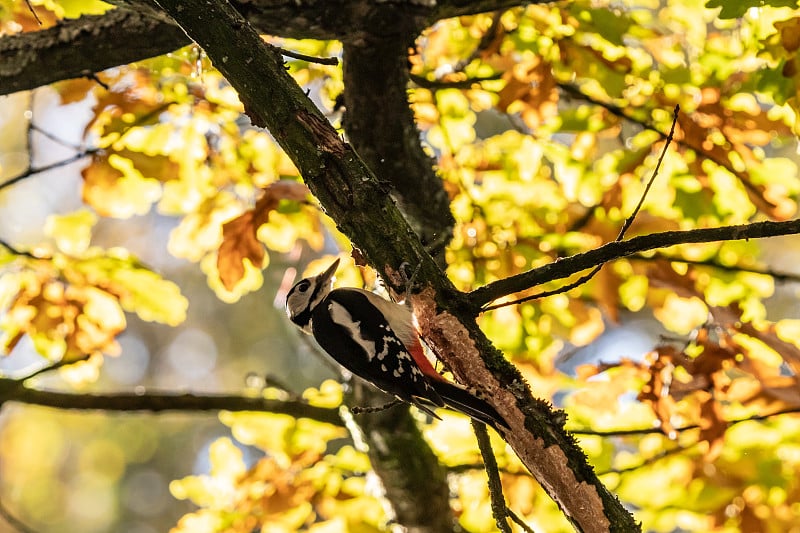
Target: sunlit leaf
(113,187)
(72,232)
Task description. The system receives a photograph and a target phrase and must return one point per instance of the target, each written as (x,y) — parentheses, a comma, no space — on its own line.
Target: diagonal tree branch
(354,199)
(564,268)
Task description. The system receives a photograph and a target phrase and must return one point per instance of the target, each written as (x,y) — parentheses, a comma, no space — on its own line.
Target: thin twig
(519,521)
(689,427)
(50,368)
(92,76)
(468,83)
(625,226)
(356,410)
(13,521)
(33,171)
(54,138)
(499,508)
(311,59)
(653,176)
(774,274)
(33,12)
(486,41)
(650,460)
(29,129)
(686,141)
(16,251)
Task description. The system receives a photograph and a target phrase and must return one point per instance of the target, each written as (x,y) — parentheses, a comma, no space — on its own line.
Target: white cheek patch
(341,316)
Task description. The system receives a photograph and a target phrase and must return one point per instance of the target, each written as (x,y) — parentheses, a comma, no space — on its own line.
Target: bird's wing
(367,345)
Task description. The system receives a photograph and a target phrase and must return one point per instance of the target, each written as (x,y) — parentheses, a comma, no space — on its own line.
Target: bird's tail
(461,400)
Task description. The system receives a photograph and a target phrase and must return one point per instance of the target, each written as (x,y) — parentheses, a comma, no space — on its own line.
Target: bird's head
(307,294)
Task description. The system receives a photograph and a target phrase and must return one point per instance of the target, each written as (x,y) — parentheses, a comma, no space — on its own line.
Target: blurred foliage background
(545,122)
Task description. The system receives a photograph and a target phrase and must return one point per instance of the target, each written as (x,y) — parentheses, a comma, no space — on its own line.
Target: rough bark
(91,44)
(380,124)
(413,479)
(353,197)
(82,47)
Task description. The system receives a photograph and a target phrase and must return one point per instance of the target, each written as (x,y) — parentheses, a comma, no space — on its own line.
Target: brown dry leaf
(532,84)
(663,276)
(787,350)
(272,494)
(65,322)
(240,235)
(714,355)
(656,391)
(789,33)
(712,426)
(239,242)
(28,22)
(74,90)
(117,110)
(607,284)
(99,178)
(739,129)
(112,193)
(158,167)
(273,194)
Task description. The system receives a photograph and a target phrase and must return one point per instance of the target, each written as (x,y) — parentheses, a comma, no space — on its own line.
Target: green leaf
(150,296)
(734,9)
(138,289)
(72,232)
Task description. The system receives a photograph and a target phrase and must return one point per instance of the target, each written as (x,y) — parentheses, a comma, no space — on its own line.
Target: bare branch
(358,204)
(53,137)
(34,171)
(311,59)
(564,268)
(499,508)
(689,427)
(16,251)
(33,12)
(519,521)
(158,402)
(622,231)
(468,83)
(648,461)
(686,142)
(9,517)
(78,47)
(782,277)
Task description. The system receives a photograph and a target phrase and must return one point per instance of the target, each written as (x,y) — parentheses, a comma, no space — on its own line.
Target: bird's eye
(303,285)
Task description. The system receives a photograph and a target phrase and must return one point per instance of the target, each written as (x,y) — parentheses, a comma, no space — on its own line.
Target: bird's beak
(327,276)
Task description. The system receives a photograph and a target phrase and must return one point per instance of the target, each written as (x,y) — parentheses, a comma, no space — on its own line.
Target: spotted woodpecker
(376,340)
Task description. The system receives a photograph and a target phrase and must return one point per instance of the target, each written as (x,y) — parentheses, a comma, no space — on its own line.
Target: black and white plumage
(376,340)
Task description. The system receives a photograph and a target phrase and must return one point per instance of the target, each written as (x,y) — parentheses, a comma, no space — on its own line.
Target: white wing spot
(340,315)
